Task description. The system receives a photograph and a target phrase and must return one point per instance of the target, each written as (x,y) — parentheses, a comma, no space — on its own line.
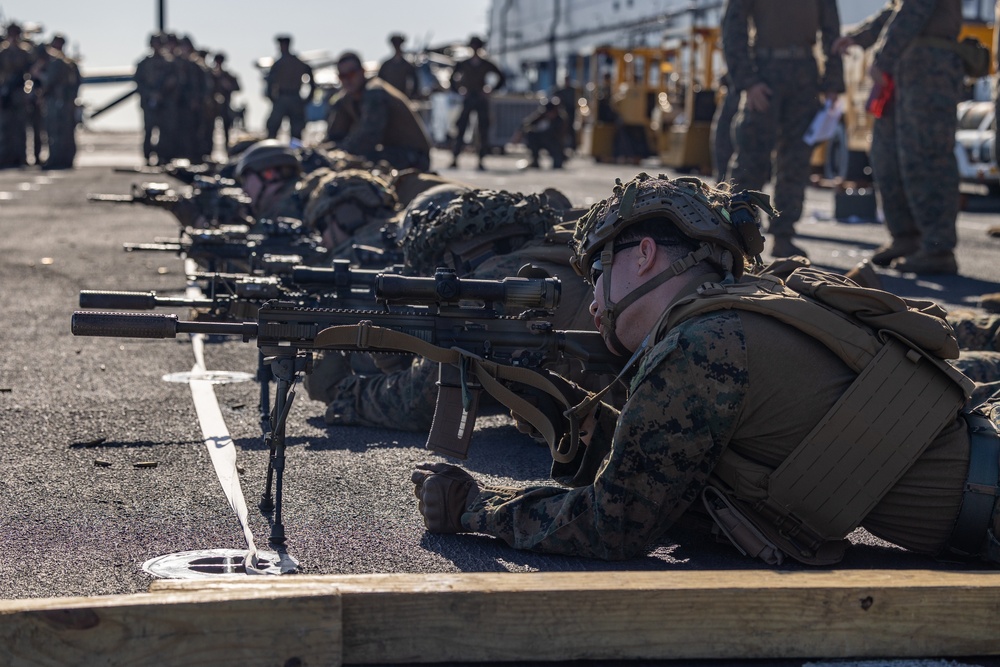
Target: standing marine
(284,83)
(913,142)
(398,71)
(373,120)
(156,82)
(769,47)
(470,79)
(60,82)
(16,58)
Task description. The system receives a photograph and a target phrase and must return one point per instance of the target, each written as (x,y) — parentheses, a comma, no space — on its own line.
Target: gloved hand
(444,493)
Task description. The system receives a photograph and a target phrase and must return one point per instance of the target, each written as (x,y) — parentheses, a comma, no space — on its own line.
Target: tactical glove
(444,493)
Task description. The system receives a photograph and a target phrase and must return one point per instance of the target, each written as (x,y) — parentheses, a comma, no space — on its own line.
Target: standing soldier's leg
(461,125)
(274,120)
(296,117)
(884,157)
(722,134)
(754,136)
(798,97)
(148,123)
(483,120)
(928,90)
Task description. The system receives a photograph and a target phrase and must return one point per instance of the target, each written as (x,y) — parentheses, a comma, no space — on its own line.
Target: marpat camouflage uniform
(400,73)
(61,81)
(912,153)
(284,82)
(469,79)
(780,56)
(156,82)
(716,381)
(15,61)
(381,126)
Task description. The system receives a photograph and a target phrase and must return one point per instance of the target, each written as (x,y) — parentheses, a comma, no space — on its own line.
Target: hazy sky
(111,33)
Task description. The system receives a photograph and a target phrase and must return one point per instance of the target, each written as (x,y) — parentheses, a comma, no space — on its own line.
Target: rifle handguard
(124,325)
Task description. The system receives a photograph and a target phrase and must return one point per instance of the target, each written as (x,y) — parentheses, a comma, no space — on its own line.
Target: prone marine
(743,386)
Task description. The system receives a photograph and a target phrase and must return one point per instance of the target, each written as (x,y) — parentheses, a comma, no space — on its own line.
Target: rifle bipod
(285,369)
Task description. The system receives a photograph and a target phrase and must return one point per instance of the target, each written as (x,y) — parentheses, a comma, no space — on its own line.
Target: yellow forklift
(685,145)
(629,92)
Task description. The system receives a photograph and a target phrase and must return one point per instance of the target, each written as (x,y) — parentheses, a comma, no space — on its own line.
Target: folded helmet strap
(613,310)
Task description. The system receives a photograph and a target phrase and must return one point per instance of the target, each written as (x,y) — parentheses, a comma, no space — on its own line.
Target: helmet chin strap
(612,310)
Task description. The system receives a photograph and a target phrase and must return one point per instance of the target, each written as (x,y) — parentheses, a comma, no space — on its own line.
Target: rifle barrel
(115,299)
(118,199)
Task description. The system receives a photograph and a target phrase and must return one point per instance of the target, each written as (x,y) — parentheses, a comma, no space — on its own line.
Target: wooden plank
(244,626)
(488,617)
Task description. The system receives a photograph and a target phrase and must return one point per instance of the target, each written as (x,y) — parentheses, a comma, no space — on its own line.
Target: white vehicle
(975,144)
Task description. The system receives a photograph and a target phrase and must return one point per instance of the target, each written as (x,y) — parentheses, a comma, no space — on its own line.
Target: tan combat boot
(894,249)
(940,263)
(994,232)
(782,246)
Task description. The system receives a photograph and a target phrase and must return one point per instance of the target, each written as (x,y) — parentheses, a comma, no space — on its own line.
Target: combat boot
(994,232)
(896,248)
(990,302)
(864,275)
(940,263)
(782,246)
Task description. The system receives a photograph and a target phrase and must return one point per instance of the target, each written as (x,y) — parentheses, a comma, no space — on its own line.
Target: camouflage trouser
(13,136)
(480,104)
(722,134)
(402,400)
(794,102)
(60,130)
(291,106)
(913,149)
(392,392)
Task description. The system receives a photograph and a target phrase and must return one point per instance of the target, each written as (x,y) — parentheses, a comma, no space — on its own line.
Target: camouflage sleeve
(685,403)
(338,122)
(829,26)
(368,132)
(867,33)
(900,31)
(403,400)
(736,44)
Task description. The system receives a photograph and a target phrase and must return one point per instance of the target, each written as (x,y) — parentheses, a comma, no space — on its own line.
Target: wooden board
(488,617)
(244,626)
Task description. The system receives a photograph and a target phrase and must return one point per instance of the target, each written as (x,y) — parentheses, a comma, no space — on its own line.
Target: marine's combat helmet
(351,198)
(268,154)
(727,223)
(474,226)
(726,227)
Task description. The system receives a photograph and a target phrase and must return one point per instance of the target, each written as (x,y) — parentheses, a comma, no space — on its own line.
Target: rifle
(240,250)
(182,169)
(476,346)
(211,201)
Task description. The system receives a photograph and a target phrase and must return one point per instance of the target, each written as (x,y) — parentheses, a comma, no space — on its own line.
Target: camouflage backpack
(475,226)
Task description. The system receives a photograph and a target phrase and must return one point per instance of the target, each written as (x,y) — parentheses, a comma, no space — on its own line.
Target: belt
(785,52)
(969,537)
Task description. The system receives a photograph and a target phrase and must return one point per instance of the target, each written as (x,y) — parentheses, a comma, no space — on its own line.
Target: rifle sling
(367,336)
